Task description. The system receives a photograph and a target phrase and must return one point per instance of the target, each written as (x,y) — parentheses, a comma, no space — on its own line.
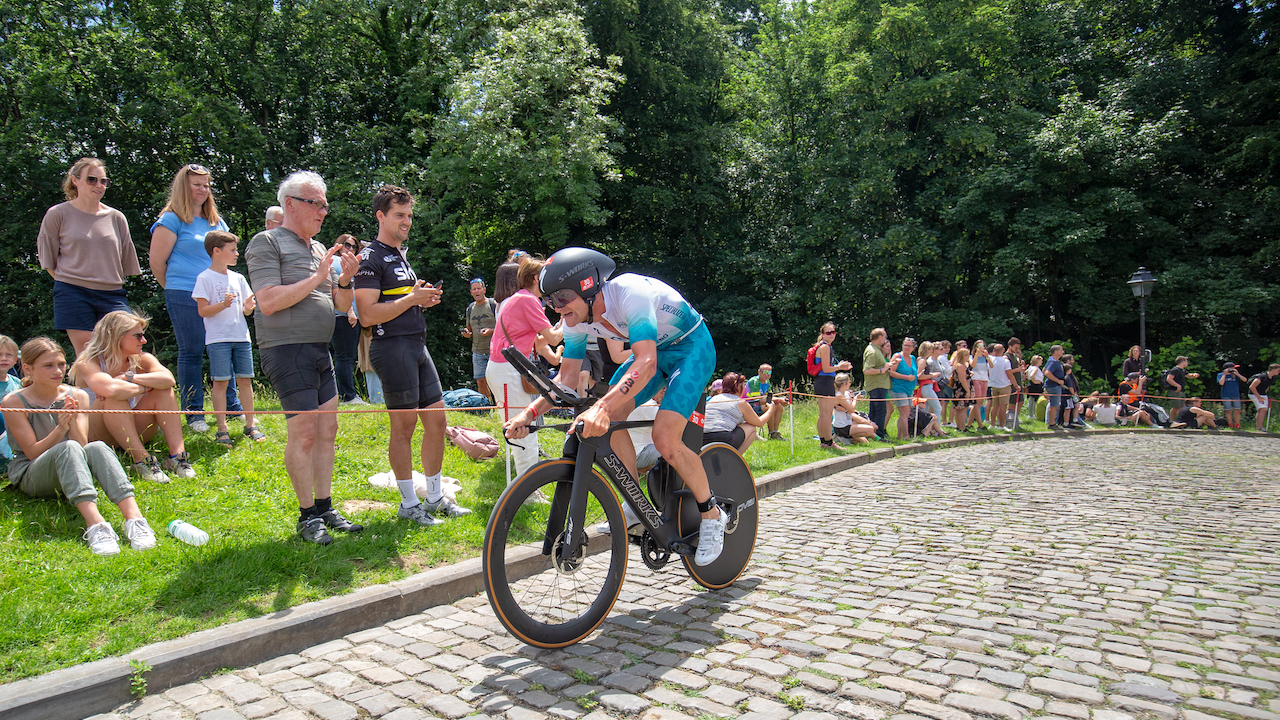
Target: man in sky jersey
(671,347)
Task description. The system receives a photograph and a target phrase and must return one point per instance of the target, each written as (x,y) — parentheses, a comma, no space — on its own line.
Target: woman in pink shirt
(520,313)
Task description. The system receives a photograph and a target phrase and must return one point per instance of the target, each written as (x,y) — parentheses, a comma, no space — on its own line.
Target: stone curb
(100,686)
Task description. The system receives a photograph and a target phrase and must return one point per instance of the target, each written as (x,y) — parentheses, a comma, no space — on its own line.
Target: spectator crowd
(322,313)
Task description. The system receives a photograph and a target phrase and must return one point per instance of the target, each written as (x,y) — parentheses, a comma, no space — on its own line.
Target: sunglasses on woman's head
(197,169)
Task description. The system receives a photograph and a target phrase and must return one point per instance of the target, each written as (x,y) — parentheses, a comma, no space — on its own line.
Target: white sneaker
(179,465)
(710,540)
(149,469)
(357,400)
(446,506)
(102,539)
(418,514)
(199,426)
(140,535)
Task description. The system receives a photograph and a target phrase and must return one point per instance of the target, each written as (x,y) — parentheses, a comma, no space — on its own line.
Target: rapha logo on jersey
(588,283)
(390,258)
(698,419)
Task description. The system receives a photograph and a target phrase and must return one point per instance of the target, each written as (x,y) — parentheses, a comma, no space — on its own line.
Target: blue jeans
(346,344)
(188,329)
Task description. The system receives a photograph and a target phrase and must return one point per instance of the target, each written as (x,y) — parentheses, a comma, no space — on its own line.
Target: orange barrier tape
(132,411)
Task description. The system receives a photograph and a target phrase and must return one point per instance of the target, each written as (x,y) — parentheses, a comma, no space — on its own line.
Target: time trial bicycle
(551,576)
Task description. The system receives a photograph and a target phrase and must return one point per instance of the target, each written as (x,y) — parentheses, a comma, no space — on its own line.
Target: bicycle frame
(589,453)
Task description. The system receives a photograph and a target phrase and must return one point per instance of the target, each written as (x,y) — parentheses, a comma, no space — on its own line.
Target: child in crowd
(846,421)
(8,383)
(223,299)
(52,452)
(1104,412)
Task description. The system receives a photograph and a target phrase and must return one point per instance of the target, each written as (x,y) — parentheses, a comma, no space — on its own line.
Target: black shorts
(732,437)
(843,431)
(301,374)
(593,363)
(409,378)
(824,385)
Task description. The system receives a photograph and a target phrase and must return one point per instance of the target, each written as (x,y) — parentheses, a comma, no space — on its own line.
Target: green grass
(60,605)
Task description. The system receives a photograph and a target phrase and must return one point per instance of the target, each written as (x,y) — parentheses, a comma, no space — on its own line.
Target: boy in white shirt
(223,299)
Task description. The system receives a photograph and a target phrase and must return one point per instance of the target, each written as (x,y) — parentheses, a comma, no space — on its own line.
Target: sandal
(255,434)
(223,438)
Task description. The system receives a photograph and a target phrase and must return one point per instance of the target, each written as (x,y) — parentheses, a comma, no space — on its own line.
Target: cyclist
(671,347)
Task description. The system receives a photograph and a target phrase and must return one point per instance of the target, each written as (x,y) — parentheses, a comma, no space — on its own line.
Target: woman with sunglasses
(86,248)
(118,374)
(824,382)
(177,257)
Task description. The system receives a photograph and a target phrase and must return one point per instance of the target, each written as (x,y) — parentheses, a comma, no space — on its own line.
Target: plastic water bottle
(188,533)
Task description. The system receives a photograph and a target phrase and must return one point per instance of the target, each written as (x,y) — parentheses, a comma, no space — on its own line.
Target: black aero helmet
(579,269)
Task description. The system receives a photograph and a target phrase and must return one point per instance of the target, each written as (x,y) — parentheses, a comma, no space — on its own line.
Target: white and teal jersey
(641,308)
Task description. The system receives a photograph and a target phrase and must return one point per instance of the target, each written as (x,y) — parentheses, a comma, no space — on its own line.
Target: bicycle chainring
(653,556)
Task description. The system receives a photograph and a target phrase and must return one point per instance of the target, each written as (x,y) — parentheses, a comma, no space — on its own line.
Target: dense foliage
(944,168)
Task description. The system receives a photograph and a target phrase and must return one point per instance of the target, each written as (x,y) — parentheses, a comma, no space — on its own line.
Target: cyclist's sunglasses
(560,298)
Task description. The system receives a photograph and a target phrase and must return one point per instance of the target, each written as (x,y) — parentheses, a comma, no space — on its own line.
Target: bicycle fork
(569,510)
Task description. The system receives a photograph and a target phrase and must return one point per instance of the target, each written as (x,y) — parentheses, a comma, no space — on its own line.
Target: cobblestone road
(1096,579)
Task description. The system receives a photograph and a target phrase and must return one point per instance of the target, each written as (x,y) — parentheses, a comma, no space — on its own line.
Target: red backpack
(812,362)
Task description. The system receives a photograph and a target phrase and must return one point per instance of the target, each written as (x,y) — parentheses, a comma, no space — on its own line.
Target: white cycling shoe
(710,540)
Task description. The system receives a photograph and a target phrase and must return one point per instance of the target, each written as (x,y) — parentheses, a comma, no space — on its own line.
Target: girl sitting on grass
(119,375)
(52,452)
(847,422)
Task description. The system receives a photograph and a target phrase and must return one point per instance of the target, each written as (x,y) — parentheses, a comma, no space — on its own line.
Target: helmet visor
(562,297)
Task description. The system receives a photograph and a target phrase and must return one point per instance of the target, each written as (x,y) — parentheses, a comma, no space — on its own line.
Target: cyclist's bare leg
(668,438)
(621,440)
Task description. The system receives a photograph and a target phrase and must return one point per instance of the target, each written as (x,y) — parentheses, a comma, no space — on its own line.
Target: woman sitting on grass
(847,422)
(119,375)
(731,419)
(52,452)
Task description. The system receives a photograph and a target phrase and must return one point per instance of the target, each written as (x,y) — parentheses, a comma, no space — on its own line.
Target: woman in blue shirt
(903,377)
(177,256)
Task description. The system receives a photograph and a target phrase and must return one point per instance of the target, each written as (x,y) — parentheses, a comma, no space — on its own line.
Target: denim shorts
(479,363)
(1055,394)
(301,374)
(900,399)
(1230,403)
(228,359)
(80,308)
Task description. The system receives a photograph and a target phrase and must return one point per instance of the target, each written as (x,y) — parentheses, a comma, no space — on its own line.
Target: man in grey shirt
(297,288)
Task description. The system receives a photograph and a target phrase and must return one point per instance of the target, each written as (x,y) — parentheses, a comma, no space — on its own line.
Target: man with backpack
(481,317)
(1259,385)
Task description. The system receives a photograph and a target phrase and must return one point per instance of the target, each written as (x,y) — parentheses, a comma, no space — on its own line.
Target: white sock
(408,498)
(434,489)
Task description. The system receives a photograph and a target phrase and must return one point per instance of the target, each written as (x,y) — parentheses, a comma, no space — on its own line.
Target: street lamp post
(1142,283)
